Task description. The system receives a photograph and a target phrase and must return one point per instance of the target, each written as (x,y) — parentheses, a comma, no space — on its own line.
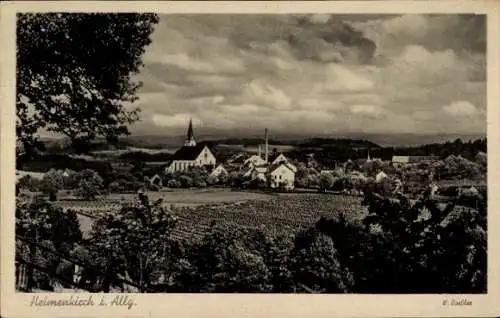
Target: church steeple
(190,142)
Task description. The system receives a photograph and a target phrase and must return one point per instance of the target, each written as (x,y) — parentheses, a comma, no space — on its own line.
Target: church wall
(180,165)
(205,158)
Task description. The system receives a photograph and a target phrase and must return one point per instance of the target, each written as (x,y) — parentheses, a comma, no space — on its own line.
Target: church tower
(190,142)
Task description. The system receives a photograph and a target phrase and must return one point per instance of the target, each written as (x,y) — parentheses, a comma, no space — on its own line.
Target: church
(191,155)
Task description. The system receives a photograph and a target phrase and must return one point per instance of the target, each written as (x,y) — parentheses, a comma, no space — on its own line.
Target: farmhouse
(275,169)
(281,175)
(254,161)
(191,154)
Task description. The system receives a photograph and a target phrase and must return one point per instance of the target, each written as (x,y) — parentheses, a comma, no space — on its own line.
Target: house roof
(254,158)
(219,166)
(240,158)
(188,152)
(400,159)
(276,166)
(408,159)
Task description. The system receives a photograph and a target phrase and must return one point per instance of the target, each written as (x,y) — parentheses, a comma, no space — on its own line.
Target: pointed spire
(190,130)
(190,135)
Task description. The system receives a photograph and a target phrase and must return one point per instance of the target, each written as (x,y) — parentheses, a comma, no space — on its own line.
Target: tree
(212,180)
(74,74)
(224,262)
(315,264)
(422,246)
(325,181)
(52,182)
(236,178)
(50,226)
(173,183)
(134,239)
(186,182)
(89,185)
(223,178)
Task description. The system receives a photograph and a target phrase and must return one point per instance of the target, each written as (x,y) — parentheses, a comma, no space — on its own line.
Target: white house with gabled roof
(281,175)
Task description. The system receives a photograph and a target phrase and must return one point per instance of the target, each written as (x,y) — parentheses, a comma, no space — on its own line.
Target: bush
(172,183)
(212,180)
(186,182)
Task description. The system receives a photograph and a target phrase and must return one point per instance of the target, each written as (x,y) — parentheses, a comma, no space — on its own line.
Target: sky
(315,74)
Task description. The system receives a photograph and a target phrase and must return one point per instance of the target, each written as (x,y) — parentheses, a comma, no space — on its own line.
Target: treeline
(328,155)
(399,247)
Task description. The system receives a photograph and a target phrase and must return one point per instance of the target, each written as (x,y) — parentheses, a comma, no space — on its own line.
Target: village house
(276,171)
(281,175)
(191,155)
(218,171)
(254,161)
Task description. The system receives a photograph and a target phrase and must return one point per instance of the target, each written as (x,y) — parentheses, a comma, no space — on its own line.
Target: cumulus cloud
(460,108)
(367,110)
(315,73)
(174,121)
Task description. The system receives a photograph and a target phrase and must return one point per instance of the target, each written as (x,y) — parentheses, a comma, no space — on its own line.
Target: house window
(279,177)
(206,155)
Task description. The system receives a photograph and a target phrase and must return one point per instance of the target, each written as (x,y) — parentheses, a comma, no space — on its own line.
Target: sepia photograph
(250,153)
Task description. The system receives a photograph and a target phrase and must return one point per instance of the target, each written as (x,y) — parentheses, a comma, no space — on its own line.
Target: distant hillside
(344,143)
(246,141)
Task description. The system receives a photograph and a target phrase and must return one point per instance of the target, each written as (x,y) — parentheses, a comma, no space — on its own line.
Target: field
(284,213)
(197,209)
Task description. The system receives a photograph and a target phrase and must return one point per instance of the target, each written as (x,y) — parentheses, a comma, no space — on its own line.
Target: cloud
(367,110)
(212,65)
(319,18)
(460,108)
(339,78)
(461,33)
(264,94)
(314,74)
(175,121)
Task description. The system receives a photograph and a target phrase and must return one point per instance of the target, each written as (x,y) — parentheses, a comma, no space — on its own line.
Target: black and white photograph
(207,153)
(250,153)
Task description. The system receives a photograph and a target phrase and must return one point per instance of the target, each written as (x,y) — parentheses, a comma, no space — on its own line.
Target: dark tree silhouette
(74,74)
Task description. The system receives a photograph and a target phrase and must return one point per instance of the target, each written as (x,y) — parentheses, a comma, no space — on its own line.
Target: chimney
(267,147)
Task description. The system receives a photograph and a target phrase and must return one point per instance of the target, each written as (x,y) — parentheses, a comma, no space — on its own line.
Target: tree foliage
(89,184)
(134,239)
(74,73)
(42,223)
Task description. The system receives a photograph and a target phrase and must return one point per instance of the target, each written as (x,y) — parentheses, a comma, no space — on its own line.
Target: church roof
(188,152)
(190,134)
